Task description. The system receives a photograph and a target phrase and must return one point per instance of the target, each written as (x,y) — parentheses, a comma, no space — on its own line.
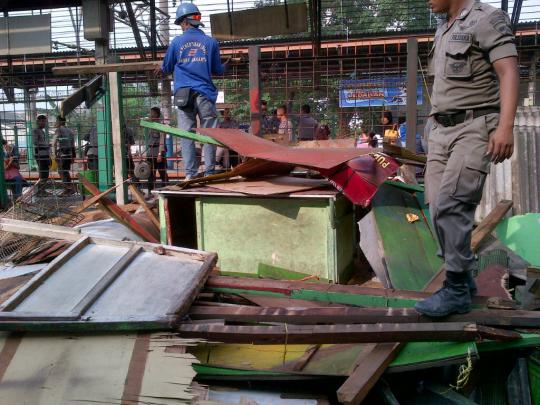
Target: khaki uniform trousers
(456,171)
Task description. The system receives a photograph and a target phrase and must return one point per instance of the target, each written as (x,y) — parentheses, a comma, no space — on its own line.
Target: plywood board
(270,186)
(100,284)
(65,369)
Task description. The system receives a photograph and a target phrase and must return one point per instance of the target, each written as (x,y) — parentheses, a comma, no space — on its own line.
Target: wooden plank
(316,291)
(106,281)
(319,334)
(140,199)
(128,221)
(94,199)
(478,235)
(352,315)
(67,324)
(106,68)
(40,229)
(489,223)
(118,142)
(43,275)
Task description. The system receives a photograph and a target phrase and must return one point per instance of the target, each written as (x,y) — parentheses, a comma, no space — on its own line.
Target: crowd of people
(192,58)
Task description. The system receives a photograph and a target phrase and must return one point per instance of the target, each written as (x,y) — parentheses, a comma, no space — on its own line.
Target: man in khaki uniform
(42,151)
(471,126)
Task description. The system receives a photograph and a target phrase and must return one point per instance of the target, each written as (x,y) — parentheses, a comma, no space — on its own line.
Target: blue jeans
(187,120)
(18,183)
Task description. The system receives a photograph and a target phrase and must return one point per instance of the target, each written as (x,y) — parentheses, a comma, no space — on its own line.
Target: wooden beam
(486,226)
(140,199)
(118,141)
(354,315)
(367,373)
(93,200)
(119,213)
(40,229)
(292,288)
(336,334)
(489,223)
(106,68)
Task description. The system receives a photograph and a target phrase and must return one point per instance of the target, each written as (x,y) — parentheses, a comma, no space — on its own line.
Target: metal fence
(363,41)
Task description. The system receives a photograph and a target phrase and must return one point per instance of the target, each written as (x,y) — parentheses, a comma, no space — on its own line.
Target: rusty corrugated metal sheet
(255,147)
(518,179)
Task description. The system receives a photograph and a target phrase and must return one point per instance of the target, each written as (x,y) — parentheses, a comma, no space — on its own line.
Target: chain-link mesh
(47,204)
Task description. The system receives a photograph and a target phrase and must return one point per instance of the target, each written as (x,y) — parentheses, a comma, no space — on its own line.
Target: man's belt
(451,120)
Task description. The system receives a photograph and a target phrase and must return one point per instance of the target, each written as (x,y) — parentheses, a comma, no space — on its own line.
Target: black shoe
(454,297)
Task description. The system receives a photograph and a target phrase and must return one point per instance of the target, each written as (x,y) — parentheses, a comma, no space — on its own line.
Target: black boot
(454,297)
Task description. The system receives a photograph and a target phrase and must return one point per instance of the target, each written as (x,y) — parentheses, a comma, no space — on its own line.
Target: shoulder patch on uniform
(461,37)
(500,21)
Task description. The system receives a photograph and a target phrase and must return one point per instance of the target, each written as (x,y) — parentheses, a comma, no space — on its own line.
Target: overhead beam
(105,68)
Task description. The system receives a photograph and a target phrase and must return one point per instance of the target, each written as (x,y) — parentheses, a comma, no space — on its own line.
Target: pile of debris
(110,315)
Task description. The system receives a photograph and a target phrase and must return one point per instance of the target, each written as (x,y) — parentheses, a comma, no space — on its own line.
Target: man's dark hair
(264,102)
(402,120)
(388,115)
(306,109)
(157,110)
(61,119)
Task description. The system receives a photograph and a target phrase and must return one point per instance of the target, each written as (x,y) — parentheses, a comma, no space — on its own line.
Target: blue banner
(376,92)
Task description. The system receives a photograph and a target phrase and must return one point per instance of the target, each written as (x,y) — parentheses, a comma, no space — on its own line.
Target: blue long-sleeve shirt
(194,58)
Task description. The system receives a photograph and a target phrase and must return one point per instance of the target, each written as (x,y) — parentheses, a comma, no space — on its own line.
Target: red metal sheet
(355,172)
(252,146)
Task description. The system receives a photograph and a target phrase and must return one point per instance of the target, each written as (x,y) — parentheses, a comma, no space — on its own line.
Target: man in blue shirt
(193,58)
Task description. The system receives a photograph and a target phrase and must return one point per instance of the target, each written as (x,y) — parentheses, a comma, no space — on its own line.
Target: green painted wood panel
(410,249)
(308,235)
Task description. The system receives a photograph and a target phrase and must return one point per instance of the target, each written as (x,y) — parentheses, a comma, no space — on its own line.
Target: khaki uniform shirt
(156,143)
(41,143)
(64,141)
(462,59)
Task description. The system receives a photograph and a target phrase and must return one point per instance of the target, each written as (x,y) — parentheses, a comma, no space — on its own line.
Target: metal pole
(255,90)
(166,91)
(153,32)
(412,83)
(504,5)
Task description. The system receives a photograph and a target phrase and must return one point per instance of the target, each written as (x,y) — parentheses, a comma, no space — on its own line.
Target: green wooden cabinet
(310,234)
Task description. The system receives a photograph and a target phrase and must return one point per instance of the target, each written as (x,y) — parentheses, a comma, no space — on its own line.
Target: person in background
(323,133)
(156,152)
(194,57)
(389,129)
(307,125)
(373,141)
(363,140)
(64,149)
(267,122)
(222,154)
(129,139)
(42,152)
(402,132)
(285,125)
(11,169)
(91,149)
